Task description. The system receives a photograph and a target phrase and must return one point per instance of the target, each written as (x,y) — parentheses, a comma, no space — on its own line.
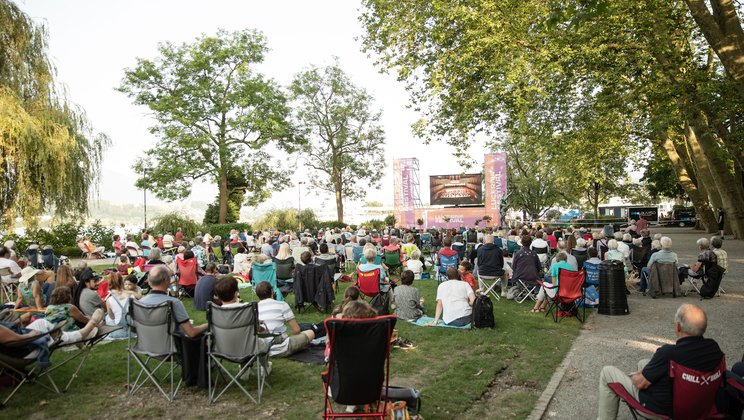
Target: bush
(390,220)
(69,251)
(374,224)
(330,224)
(99,234)
(65,234)
(170,222)
(212,215)
(223,230)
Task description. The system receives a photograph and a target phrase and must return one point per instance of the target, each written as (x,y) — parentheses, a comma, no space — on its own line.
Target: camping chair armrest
(268,335)
(547,285)
(624,395)
(27,339)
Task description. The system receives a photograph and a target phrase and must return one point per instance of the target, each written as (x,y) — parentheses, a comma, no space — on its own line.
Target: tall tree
(215,116)
(49,154)
(346,140)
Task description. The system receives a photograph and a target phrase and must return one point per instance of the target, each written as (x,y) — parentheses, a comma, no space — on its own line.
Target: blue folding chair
(592,274)
(266,271)
(357,252)
(444,264)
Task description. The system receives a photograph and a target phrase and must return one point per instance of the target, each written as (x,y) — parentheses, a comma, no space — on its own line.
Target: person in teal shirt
(560,262)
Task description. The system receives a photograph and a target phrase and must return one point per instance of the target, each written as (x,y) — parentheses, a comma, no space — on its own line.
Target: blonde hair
(283,252)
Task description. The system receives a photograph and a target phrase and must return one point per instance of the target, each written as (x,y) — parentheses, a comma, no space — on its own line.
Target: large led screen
(456,189)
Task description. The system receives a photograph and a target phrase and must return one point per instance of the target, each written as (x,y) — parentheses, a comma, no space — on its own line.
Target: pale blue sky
(91,42)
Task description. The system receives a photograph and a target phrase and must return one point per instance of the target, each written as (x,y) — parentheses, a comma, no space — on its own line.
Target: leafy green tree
(389,220)
(170,222)
(49,153)
(216,117)
(346,140)
(286,219)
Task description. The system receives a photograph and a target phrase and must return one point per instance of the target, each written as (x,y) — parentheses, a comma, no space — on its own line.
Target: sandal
(542,310)
(534,311)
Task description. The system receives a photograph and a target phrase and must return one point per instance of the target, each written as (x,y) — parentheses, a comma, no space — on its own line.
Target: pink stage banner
(495,170)
(403,172)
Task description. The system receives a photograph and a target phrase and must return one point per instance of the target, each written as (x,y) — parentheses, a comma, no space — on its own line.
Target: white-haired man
(651,385)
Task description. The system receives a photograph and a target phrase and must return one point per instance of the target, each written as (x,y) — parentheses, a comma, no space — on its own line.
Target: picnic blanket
(311,355)
(424,321)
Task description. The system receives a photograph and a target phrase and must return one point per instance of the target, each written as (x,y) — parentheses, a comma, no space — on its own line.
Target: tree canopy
(614,82)
(49,153)
(346,141)
(216,118)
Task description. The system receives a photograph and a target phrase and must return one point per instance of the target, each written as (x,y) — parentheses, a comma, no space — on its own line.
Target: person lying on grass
(454,301)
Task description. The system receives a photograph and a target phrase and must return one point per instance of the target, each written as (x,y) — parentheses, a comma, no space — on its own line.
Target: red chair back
(570,284)
(695,391)
(368,282)
(186,272)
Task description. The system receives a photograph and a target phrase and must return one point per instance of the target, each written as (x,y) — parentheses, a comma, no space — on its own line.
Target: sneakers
(404,344)
(97,316)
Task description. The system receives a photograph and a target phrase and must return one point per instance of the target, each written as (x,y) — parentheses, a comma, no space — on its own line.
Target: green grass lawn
(498,373)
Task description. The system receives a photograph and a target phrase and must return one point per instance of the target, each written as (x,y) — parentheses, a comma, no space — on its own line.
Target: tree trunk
(728,187)
(722,29)
(699,201)
(339,199)
(706,184)
(223,198)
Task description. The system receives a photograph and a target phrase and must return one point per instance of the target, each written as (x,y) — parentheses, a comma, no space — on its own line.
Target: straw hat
(27,273)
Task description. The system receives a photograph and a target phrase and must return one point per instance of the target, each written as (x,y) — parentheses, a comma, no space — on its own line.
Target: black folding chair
(349,382)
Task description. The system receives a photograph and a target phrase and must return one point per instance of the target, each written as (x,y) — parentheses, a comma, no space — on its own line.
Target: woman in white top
(415,265)
(117,303)
(454,300)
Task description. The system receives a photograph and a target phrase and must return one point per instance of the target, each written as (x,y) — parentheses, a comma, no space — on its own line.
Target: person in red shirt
(446,250)
(179,237)
(466,275)
(552,240)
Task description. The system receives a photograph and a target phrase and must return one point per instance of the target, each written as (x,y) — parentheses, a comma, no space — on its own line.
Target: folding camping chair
(445,263)
(332,266)
(527,289)
(512,247)
(86,254)
(349,262)
(714,273)
(14,363)
(266,271)
(151,330)
(80,349)
(312,285)
(543,254)
(392,260)
(348,382)
(693,393)
(488,284)
(187,273)
(569,290)
(8,289)
(426,246)
(233,337)
(735,386)
(284,271)
(460,249)
(368,282)
(664,278)
(217,251)
(592,274)
(581,256)
(356,252)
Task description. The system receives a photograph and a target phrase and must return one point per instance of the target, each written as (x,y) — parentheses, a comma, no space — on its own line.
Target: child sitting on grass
(408,303)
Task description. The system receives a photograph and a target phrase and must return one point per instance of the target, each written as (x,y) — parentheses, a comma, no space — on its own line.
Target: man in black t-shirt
(651,384)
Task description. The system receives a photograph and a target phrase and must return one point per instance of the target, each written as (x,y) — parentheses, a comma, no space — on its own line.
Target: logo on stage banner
(495,169)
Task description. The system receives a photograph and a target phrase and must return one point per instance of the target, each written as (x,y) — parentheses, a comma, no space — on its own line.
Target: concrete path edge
(547,395)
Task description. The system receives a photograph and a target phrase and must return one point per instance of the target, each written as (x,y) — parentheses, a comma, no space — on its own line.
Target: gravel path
(623,340)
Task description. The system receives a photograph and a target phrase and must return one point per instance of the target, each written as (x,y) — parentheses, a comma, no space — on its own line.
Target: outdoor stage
(465,189)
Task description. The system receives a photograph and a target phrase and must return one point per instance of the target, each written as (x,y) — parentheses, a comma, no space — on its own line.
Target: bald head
(159,276)
(691,320)
(488,239)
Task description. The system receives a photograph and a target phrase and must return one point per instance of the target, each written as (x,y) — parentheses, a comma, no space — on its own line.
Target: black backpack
(483,312)
(710,287)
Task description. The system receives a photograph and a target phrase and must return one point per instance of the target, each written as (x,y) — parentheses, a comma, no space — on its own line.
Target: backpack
(381,304)
(710,287)
(483,312)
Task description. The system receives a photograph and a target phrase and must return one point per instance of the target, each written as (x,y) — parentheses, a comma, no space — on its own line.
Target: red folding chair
(368,282)
(570,289)
(693,393)
(349,382)
(187,275)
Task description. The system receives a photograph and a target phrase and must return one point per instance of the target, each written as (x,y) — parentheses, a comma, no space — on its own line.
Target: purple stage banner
(403,172)
(495,170)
